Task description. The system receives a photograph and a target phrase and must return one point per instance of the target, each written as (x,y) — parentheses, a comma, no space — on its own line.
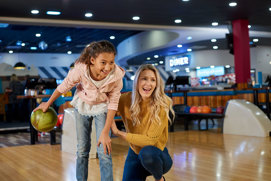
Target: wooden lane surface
(197,156)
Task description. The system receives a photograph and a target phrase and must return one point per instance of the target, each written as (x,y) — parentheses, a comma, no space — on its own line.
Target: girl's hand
(114,129)
(106,142)
(43,106)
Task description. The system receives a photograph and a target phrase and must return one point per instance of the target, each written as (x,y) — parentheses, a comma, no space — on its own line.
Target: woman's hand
(106,142)
(43,106)
(114,129)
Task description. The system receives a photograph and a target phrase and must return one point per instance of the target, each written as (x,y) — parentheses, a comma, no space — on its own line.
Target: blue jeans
(149,161)
(83,131)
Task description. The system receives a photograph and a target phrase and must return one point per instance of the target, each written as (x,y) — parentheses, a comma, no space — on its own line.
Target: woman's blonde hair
(159,100)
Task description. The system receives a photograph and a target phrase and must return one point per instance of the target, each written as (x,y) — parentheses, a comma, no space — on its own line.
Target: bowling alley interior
(214,58)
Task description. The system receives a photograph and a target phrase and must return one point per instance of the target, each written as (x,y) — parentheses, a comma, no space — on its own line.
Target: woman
(145,113)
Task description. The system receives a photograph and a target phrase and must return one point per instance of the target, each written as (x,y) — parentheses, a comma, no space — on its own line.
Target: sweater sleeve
(153,134)
(114,95)
(71,79)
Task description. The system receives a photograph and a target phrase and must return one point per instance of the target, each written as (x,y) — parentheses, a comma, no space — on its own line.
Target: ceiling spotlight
(136,18)
(23,44)
(148,58)
(227,66)
(10,51)
(189,38)
(112,37)
(189,50)
(185,0)
(156,56)
(34,11)
(214,23)
(232,4)
(198,68)
(54,13)
(212,66)
(255,40)
(38,35)
(69,52)
(179,46)
(215,47)
(88,15)
(33,48)
(249,26)
(269,9)
(178,21)
(213,40)
(68,38)
(161,62)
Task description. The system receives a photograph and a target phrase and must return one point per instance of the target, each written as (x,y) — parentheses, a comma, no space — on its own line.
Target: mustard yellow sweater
(147,132)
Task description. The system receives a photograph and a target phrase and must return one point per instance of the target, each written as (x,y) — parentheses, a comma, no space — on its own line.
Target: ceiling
(114,18)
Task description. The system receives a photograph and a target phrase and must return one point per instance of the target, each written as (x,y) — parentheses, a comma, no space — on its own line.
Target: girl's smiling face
(102,65)
(146,83)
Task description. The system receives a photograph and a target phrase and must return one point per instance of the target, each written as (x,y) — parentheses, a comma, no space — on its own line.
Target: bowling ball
(194,109)
(59,120)
(187,109)
(220,110)
(200,109)
(206,109)
(44,121)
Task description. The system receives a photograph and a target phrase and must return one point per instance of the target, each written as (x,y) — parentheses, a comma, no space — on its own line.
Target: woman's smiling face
(146,83)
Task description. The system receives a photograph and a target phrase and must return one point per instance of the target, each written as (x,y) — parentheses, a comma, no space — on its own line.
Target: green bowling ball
(44,121)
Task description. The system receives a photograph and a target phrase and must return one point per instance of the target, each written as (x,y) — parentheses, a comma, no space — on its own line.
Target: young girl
(99,81)
(145,113)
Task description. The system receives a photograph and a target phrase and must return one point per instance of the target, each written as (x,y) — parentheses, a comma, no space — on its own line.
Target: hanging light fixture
(19,66)
(72,65)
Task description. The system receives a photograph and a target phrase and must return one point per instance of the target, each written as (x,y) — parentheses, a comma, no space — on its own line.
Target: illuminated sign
(206,72)
(173,62)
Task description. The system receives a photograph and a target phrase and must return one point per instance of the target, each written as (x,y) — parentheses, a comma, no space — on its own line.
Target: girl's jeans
(149,161)
(83,131)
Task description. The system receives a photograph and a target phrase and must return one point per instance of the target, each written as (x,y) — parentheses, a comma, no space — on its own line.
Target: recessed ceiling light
(88,15)
(270,62)
(185,0)
(232,4)
(68,38)
(189,50)
(10,51)
(227,66)
(112,37)
(255,40)
(156,56)
(179,46)
(54,13)
(215,47)
(213,40)
(34,11)
(197,67)
(33,48)
(136,18)
(69,52)
(189,38)
(214,23)
(38,35)
(212,66)
(148,58)
(249,26)
(161,62)
(178,21)
(269,9)
(23,44)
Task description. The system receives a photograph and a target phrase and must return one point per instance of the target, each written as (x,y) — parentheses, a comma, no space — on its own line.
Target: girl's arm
(152,136)
(45,105)
(104,137)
